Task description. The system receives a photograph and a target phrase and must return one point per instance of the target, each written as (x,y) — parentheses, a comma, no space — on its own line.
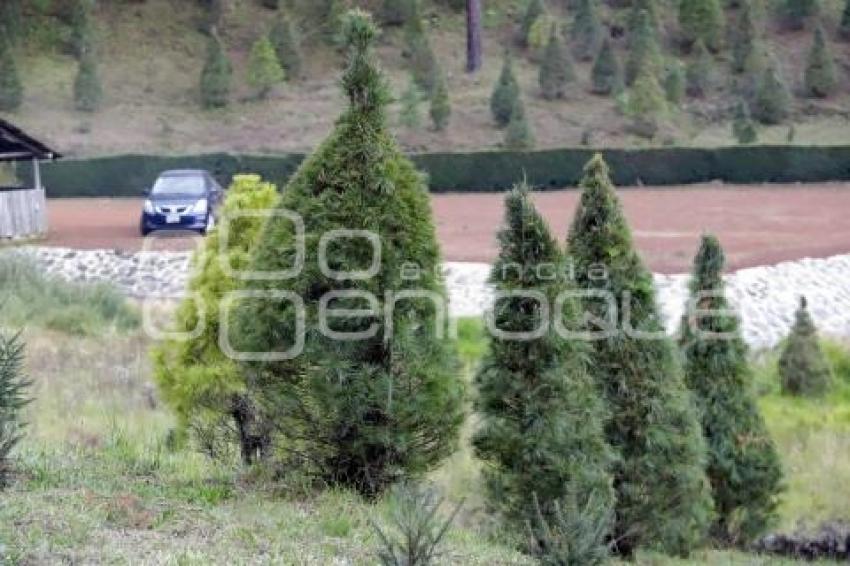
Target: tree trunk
(474,53)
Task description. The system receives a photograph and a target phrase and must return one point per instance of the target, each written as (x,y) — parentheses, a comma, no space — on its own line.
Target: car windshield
(189,185)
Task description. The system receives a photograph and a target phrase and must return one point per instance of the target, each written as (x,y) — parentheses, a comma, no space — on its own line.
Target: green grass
(29,297)
(99,481)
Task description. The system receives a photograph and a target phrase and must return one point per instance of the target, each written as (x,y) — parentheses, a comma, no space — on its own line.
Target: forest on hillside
(162,76)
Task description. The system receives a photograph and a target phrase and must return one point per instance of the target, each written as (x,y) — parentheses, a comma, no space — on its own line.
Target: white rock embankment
(766,297)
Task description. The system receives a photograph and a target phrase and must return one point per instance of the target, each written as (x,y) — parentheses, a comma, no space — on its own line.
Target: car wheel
(144,229)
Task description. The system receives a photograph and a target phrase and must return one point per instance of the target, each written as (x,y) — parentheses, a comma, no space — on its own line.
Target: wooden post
(474,52)
(36,174)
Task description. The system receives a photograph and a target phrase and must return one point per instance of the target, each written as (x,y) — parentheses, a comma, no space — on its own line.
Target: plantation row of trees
(612,444)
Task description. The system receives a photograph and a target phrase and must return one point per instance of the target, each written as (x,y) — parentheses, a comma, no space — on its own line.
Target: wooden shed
(23,210)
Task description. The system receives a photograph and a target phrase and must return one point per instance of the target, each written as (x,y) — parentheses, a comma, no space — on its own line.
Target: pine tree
(215,78)
(796,12)
(360,413)
(534,9)
(423,63)
(518,135)
(743,127)
(264,70)
(844,25)
(605,74)
(701,19)
(662,492)
(13,399)
(644,52)
(674,82)
(505,93)
(441,109)
(81,27)
(744,37)
(88,92)
(819,76)
(586,33)
(556,71)
(11,89)
(647,104)
(634,21)
(772,99)
(700,72)
(541,435)
(410,116)
(803,368)
(287,47)
(744,468)
(204,387)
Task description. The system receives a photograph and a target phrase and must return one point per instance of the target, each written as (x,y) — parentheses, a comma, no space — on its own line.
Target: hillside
(151,53)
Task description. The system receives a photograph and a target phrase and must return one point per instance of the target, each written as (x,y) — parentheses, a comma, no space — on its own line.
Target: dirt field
(757,225)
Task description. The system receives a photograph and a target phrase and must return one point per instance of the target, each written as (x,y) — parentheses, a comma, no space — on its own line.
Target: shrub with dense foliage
(803,368)
(410,115)
(644,51)
(647,104)
(541,435)
(556,70)
(772,100)
(605,74)
(287,47)
(675,82)
(264,70)
(365,410)
(819,78)
(587,32)
(441,107)
(702,20)
(663,497)
(505,93)
(534,10)
(519,135)
(216,75)
(743,466)
(200,383)
(13,398)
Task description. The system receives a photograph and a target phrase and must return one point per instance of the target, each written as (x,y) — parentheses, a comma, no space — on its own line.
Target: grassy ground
(152,53)
(98,481)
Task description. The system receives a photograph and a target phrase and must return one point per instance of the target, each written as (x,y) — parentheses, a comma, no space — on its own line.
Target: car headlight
(201,206)
(148,207)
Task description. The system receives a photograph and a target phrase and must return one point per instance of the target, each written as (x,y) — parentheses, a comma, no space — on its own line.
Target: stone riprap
(766,297)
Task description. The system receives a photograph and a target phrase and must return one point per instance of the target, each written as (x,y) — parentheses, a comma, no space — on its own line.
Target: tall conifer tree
(505,93)
(605,74)
(663,498)
(374,396)
(743,466)
(819,77)
(744,37)
(644,51)
(541,435)
(556,71)
(702,19)
(587,32)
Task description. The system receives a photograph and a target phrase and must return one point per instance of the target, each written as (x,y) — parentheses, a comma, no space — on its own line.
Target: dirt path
(758,225)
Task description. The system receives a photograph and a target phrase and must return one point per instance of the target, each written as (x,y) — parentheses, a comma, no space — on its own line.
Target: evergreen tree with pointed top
(605,74)
(216,75)
(744,37)
(505,93)
(534,9)
(518,135)
(644,52)
(423,62)
(88,92)
(409,114)
(804,370)
(14,397)
(772,99)
(374,396)
(81,27)
(663,500)
(647,104)
(844,24)
(287,47)
(634,21)
(556,71)
(541,434)
(744,468)
(819,78)
(264,70)
(675,82)
(702,19)
(441,109)
(11,88)
(743,127)
(586,33)
(699,73)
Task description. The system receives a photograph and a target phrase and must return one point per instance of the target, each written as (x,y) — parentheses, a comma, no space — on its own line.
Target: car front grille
(172,209)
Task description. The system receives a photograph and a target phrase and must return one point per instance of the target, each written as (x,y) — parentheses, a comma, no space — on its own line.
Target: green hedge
(130,175)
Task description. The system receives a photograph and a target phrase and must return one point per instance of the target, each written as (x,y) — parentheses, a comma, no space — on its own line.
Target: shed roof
(15,145)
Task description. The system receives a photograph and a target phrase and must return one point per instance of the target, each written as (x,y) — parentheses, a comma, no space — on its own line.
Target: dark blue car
(185,199)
